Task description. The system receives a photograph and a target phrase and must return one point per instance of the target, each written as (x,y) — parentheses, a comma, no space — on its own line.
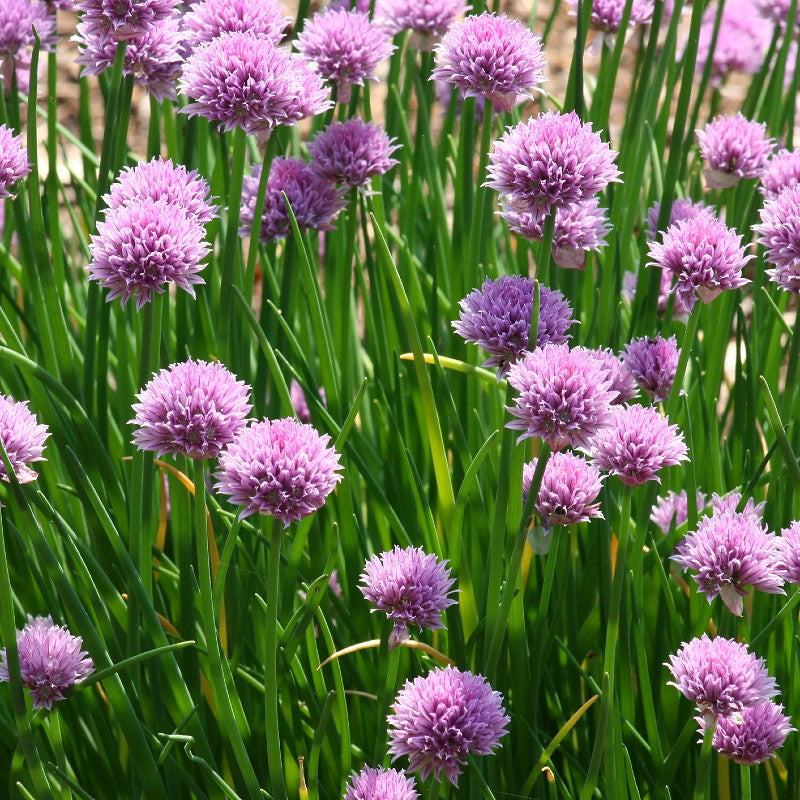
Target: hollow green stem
(702,786)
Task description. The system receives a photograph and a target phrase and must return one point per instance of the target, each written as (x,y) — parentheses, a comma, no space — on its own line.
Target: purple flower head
(162,180)
(570,486)
(14,164)
(352,152)
(789,553)
(665,290)
(781,172)
(607,14)
(705,257)
(315,201)
(345,48)
(441,718)
(734,148)
(192,408)
(673,508)
(623,384)
(680,210)
(752,735)
(410,586)
(18,19)
(209,19)
(153,57)
(742,40)
(380,784)
(123,19)
(579,227)
(139,249)
(564,396)
(730,551)
(50,659)
(426,19)
(550,161)
(776,11)
(637,444)
(653,362)
(278,467)
(299,402)
(490,56)
(779,234)
(730,502)
(498,318)
(23,439)
(720,675)
(239,80)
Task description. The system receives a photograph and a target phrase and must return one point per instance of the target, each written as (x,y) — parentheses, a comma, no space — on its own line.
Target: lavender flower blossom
(410,587)
(779,232)
(193,408)
(141,248)
(490,56)
(345,48)
(23,439)
(550,161)
(673,508)
(752,735)
(789,553)
(50,659)
(278,467)
(653,361)
(637,444)
(123,19)
(776,11)
(564,396)
(720,675)
(210,18)
(441,718)
(570,486)
(315,201)
(721,504)
(781,172)
(14,164)
(705,258)
(623,384)
(734,148)
(680,210)
(18,20)
(426,19)
(352,152)
(666,289)
(579,228)
(730,551)
(241,80)
(162,180)
(607,14)
(380,784)
(498,318)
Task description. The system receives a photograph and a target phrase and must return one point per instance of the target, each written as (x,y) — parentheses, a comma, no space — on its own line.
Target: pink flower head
(241,80)
(498,318)
(162,180)
(673,508)
(570,486)
(720,675)
(410,586)
(139,249)
(779,234)
(50,660)
(653,361)
(721,504)
(14,164)
(441,718)
(315,201)
(282,468)
(730,551)
(23,439)
(18,20)
(564,396)
(637,444)
(345,48)
(491,56)
(704,257)
(776,11)
(123,19)
(789,553)
(752,735)
(193,408)
(734,148)
(209,19)
(579,228)
(352,152)
(623,384)
(680,210)
(550,161)
(380,784)
(426,19)
(781,172)
(607,14)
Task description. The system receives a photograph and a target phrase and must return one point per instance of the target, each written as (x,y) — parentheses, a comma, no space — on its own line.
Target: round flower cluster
(14,164)
(673,509)
(680,210)
(23,439)
(607,14)
(380,784)
(121,20)
(623,384)
(781,172)
(426,19)
(779,232)
(789,553)
(209,19)
(18,21)
(653,361)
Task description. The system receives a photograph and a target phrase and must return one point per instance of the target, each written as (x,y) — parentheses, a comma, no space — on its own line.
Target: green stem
(546,250)
(482,206)
(683,360)
(271,719)
(702,787)
(746,790)
(786,609)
